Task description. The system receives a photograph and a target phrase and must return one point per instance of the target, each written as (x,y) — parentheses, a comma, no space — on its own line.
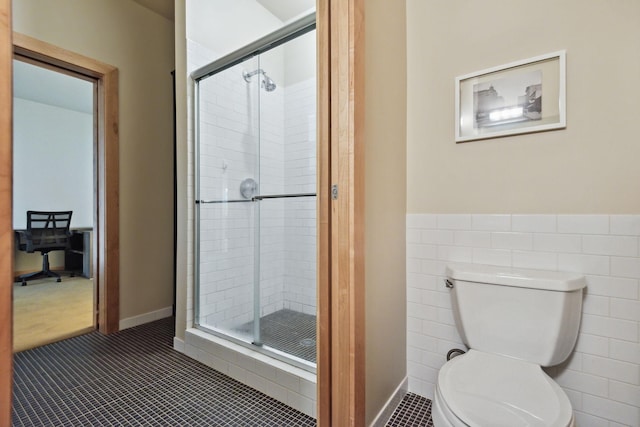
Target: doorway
(54,141)
(105,235)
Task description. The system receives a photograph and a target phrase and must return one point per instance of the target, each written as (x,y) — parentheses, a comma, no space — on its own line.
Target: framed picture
(520,97)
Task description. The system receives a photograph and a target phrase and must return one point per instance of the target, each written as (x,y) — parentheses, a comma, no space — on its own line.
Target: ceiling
(41,85)
(162,7)
(287,9)
(282,9)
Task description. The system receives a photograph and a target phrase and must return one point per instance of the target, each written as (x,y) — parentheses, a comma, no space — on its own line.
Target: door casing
(341,342)
(6,218)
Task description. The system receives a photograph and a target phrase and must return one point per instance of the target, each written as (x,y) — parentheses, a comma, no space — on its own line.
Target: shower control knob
(248,188)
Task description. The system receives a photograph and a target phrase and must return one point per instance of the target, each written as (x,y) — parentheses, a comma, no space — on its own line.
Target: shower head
(267,83)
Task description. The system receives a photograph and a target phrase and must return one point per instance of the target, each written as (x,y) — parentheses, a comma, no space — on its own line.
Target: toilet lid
(490,390)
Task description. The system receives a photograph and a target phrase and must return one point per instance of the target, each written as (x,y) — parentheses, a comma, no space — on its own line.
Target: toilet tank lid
(523,278)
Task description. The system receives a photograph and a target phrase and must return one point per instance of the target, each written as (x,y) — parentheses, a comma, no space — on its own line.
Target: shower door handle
(255,198)
(283,196)
(204,202)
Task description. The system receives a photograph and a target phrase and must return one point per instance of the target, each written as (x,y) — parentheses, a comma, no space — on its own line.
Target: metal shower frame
(288,32)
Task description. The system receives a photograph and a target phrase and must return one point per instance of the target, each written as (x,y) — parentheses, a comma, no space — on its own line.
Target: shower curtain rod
(263,44)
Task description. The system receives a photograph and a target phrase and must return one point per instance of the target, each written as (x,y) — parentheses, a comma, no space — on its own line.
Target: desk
(77,260)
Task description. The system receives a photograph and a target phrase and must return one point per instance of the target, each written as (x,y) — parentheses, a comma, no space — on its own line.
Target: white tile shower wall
(227,155)
(300,255)
(239,122)
(300,177)
(229,134)
(197,56)
(271,181)
(602,376)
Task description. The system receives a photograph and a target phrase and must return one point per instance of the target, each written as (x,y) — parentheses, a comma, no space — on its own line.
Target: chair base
(31,276)
(45,272)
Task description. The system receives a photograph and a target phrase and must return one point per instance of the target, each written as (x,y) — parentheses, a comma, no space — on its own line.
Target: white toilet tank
(531,315)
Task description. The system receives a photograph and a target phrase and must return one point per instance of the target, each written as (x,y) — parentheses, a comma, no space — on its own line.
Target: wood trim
(341,134)
(50,54)
(323,371)
(106,218)
(108,236)
(53,68)
(6,217)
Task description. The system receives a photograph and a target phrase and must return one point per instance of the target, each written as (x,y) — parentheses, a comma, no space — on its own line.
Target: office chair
(46,232)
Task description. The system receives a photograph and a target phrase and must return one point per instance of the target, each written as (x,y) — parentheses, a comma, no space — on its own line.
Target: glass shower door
(287,229)
(228,134)
(256,202)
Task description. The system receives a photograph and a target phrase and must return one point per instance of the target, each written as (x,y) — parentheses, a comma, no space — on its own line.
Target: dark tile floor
(414,411)
(135,378)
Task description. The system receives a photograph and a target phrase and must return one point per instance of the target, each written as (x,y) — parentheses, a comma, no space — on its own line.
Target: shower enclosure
(255,225)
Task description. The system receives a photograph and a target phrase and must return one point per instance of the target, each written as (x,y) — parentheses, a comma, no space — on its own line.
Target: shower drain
(308,342)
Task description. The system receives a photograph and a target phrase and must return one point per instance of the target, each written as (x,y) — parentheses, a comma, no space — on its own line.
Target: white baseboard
(141,319)
(387,410)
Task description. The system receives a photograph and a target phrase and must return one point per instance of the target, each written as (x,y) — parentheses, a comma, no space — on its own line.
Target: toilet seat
(503,392)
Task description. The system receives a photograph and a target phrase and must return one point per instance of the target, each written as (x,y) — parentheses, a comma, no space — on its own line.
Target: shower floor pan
(288,331)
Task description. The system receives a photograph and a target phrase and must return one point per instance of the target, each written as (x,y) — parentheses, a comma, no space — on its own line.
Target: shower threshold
(288,331)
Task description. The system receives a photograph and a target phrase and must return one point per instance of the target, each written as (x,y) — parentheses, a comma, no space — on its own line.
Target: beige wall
(182,160)
(385,200)
(140,43)
(590,167)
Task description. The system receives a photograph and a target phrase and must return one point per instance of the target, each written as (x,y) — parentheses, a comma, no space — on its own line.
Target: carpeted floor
(45,311)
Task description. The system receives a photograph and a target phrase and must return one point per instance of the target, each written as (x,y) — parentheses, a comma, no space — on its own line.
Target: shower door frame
(277,38)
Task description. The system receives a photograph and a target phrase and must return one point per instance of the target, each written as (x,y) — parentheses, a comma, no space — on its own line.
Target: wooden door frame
(106,215)
(6,218)
(341,314)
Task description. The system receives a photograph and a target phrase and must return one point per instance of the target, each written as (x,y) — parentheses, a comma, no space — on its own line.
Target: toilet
(514,322)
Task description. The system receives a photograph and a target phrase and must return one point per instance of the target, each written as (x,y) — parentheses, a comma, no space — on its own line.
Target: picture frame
(508,99)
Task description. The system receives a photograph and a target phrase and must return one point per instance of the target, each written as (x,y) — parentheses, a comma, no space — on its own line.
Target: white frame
(463,83)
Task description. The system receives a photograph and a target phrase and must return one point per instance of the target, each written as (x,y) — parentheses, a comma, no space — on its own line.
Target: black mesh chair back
(48,231)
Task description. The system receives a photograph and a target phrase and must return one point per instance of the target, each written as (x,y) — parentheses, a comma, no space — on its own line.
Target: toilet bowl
(480,390)
(514,322)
